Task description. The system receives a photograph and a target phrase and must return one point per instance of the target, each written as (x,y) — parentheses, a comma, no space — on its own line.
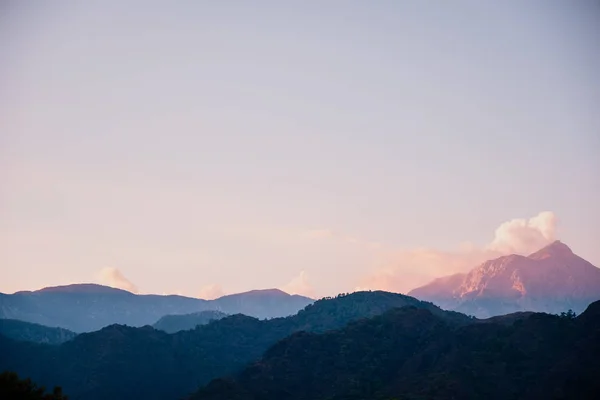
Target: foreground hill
(14,388)
(411,353)
(89,307)
(176,323)
(25,331)
(120,362)
(552,280)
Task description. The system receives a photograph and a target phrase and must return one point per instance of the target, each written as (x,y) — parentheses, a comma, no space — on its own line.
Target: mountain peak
(82,288)
(556,248)
(552,279)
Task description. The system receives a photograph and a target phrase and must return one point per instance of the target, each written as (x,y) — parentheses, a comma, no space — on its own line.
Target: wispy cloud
(300,285)
(404,270)
(113,277)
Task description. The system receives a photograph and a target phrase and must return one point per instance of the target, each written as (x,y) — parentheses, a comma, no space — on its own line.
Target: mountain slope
(552,280)
(89,307)
(120,362)
(25,331)
(410,353)
(267,303)
(176,323)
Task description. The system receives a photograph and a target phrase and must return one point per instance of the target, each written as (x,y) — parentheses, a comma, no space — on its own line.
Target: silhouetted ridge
(260,292)
(80,288)
(592,313)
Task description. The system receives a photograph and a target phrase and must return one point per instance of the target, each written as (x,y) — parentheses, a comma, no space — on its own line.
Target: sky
(203,148)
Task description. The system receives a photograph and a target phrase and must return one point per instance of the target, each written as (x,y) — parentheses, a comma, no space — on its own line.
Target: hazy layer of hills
(29,332)
(176,323)
(410,353)
(89,307)
(552,280)
(36,333)
(120,362)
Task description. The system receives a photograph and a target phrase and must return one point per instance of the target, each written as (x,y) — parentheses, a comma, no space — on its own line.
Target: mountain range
(89,307)
(552,280)
(364,345)
(121,362)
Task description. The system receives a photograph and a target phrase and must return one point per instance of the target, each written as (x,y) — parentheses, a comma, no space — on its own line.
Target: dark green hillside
(14,388)
(176,323)
(411,353)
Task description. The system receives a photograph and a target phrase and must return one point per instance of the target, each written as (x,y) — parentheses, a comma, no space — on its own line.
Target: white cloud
(113,277)
(211,292)
(525,235)
(299,285)
(401,271)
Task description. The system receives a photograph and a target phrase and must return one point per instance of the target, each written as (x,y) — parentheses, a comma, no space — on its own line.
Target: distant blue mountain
(89,307)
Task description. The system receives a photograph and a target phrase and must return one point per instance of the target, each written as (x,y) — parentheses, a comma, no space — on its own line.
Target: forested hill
(29,332)
(411,353)
(120,362)
(176,323)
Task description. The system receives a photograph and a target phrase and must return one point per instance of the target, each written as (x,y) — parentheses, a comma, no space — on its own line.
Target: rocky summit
(553,280)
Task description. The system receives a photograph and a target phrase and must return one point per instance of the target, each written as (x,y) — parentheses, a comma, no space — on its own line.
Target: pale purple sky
(201,147)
